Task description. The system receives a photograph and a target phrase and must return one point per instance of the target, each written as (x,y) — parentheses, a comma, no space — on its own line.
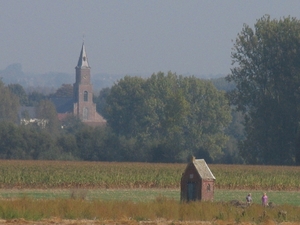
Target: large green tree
(168,117)
(65,91)
(19,91)
(123,105)
(23,142)
(100,101)
(46,112)
(9,104)
(266,70)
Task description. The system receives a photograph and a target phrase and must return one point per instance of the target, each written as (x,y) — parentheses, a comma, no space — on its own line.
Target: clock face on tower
(84,76)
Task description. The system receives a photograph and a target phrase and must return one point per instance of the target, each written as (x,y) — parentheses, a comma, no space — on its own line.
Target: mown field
(59,174)
(146,195)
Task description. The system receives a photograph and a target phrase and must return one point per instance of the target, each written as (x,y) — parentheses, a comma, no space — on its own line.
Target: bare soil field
(57,221)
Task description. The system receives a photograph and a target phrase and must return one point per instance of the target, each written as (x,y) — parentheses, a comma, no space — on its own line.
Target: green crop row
(62,174)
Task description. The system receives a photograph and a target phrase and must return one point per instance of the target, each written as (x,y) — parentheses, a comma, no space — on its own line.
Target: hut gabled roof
(202,169)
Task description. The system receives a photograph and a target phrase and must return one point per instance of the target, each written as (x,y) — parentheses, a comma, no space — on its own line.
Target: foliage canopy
(9,103)
(266,60)
(169,117)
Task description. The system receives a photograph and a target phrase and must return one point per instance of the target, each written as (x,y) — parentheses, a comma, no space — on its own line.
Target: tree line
(164,118)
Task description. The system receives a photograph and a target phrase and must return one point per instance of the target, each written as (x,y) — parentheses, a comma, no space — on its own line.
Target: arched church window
(85,113)
(85,96)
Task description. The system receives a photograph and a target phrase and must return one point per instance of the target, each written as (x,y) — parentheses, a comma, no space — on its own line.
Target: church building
(84,107)
(81,105)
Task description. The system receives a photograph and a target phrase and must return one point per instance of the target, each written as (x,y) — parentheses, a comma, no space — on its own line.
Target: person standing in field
(249,199)
(264,199)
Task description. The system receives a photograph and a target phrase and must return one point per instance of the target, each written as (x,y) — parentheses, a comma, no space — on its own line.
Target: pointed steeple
(83,60)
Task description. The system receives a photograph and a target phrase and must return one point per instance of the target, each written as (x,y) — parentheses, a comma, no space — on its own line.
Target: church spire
(83,60)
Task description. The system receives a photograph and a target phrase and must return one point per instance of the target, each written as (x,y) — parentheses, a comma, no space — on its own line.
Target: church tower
(84,108)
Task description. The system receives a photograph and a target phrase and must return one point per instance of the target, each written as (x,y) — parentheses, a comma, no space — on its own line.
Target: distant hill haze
(13,74)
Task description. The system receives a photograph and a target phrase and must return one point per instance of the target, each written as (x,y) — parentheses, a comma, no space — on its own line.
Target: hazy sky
(129,37)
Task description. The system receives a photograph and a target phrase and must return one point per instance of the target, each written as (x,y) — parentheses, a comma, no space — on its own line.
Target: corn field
(69,174)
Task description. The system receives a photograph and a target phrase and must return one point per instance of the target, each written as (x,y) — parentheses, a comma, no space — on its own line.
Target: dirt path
(57,221)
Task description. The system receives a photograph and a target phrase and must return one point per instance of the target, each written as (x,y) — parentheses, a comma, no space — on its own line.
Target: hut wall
(190,180)
(207,190)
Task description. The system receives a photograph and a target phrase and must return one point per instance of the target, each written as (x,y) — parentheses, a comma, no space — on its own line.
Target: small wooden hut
(197,182)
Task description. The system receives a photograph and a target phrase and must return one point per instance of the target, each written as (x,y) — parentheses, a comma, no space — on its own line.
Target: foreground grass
(161,207)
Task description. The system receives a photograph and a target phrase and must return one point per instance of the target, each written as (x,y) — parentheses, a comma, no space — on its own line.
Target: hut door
(192,194)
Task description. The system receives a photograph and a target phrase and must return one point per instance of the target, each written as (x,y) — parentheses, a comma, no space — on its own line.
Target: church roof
(63,104)
(83,60)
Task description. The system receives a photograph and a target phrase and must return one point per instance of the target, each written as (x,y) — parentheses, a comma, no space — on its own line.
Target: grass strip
(146,195)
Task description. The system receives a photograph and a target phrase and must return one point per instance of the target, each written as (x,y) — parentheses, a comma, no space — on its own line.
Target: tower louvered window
(85,96)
